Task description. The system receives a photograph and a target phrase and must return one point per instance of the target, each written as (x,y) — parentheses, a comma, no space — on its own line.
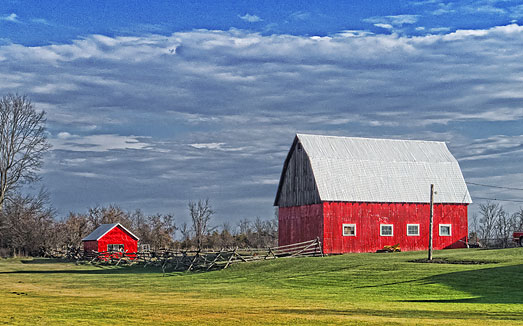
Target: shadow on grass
(502,284)
(46,261)
(100,270)
(404,313)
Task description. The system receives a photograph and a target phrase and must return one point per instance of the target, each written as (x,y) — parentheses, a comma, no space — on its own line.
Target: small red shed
(361,194)
(111,238)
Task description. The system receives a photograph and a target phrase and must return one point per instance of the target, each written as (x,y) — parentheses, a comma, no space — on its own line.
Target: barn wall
(369,216)
(118,236)
(299,223)
(90,246)
(298,187)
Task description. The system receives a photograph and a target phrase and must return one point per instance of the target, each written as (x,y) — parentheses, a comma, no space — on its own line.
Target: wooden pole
(431,219)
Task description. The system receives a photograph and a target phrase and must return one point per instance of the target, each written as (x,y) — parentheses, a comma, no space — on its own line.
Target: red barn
(111,237)
(361,194)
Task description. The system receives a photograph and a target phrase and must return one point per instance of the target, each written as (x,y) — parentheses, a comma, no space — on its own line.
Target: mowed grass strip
(358,289)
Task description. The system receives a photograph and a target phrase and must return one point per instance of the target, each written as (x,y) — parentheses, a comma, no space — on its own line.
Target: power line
(491,186)
(495,199)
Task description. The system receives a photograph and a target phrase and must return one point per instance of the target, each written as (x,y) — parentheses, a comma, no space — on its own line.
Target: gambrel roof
(103,229)
(380,170)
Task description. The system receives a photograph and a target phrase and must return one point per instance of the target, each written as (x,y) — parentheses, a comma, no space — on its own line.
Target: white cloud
(96,143)
(219,111)
(10,18)
(397,20)
(41,21)
(250,18)
(516,11)
(386,26)
(208,146)
(439,29)
(300,15)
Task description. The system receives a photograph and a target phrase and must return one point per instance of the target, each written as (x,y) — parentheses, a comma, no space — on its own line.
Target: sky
(151,104)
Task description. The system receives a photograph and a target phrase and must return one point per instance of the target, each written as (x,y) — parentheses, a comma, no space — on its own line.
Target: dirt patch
(459,262)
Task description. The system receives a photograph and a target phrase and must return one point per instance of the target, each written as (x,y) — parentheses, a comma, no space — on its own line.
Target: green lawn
(353,289)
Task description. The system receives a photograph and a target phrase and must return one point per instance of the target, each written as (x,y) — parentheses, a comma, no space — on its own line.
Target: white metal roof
(384,170)
(103,230)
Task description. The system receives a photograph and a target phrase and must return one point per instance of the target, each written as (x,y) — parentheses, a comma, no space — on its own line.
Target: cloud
(95,143)
(208,146)
(397,20)
(439,29)
(163,119)
(13,18)
(250,18)
(386,26)
(516,11)
(41,21)
(300,15)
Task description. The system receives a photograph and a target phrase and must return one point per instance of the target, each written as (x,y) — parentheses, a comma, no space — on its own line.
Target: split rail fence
(196,260)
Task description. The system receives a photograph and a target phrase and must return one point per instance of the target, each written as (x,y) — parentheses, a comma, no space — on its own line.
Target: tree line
(494,226)
(28,227)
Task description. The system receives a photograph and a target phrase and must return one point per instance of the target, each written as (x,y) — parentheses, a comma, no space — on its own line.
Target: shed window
(412,229)
(145,247)
(115,247)
(445,230)
(349,230)
(386,230)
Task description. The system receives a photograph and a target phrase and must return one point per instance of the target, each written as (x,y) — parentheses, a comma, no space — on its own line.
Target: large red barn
(111,238)
(361,194)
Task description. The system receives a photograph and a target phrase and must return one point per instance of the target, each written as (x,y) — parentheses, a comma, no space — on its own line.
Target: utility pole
(431,219)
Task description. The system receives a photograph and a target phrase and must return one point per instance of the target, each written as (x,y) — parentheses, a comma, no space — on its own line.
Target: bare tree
(186,236)
(201,213)
(27,225)
(503,227)
(489,213)
(23,142)
(518,220)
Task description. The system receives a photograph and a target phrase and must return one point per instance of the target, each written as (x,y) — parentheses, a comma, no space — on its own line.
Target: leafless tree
(201,214)
(162,231)
(518,220)
(503,227)
(23,142)
(73,229)
(110,214)
(27,225)
(186,236)
(489,215)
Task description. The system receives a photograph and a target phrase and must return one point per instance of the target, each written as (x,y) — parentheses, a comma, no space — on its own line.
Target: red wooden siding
(90,245)
(369,216)
(118,236)
(300,223)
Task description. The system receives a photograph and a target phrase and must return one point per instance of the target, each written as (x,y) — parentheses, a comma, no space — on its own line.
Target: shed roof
(382,170)
(103,229)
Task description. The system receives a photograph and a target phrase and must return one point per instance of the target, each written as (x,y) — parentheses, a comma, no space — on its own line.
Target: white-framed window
(412,229)
(349,230)
(115,247)
(386,230)
(445,230)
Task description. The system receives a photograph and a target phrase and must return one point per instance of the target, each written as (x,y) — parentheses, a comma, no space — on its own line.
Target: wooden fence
(194,260)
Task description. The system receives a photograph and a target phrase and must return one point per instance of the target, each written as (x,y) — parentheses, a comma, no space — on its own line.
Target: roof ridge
(371,138)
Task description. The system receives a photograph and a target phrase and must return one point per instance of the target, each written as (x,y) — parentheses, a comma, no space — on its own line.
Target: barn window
(386,230)
(145,247)
(412,229)
(115,247)
(445,230)
(349,230)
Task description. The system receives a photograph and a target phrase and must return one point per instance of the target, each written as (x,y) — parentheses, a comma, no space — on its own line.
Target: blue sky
(153,104)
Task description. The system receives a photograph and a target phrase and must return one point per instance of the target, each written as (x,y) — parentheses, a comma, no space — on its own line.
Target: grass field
(353,289)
